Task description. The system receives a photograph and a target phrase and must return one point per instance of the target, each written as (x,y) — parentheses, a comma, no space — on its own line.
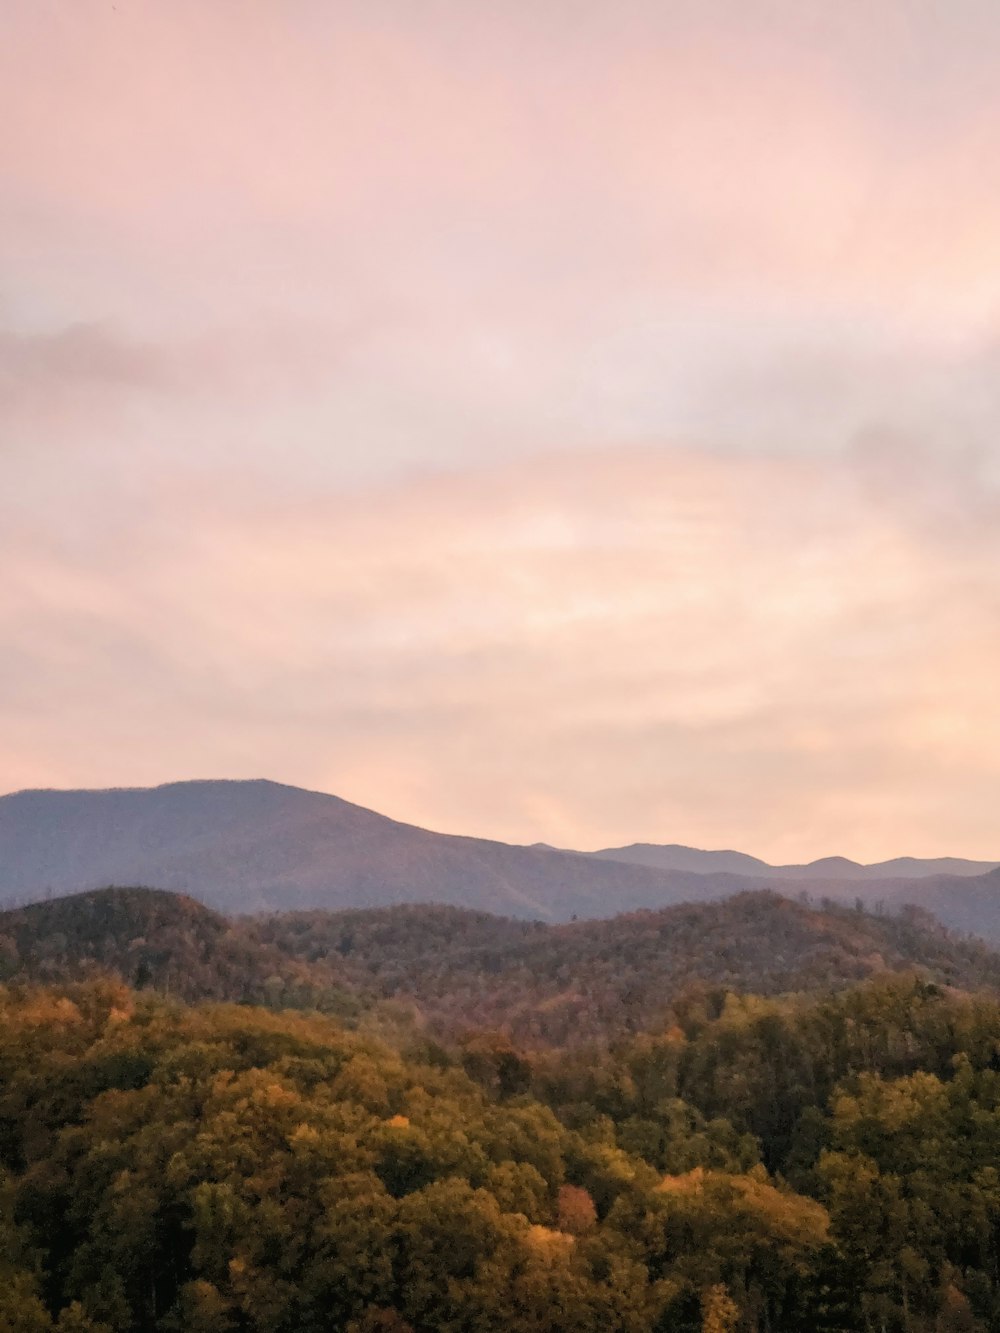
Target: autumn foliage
(744,1164)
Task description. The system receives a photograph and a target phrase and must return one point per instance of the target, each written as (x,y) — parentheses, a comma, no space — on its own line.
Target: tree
(720,1314)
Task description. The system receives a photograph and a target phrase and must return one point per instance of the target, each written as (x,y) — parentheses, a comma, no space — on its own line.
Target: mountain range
(253,846)
(671,856)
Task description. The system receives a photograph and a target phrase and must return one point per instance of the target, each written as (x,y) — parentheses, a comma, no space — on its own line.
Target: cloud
(644,644)
(77,352)
(559,420)
(171,160)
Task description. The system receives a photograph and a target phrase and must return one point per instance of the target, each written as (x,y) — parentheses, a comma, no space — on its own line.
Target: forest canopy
(753,1163)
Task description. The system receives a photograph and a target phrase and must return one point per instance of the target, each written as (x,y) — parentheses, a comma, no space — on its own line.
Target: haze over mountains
(263,846)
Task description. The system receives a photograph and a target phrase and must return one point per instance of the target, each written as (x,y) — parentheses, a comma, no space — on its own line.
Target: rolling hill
(446,970)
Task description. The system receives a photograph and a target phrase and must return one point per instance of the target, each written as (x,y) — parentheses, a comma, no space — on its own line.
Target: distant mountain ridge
(261,846)
(250,846)
(672,856)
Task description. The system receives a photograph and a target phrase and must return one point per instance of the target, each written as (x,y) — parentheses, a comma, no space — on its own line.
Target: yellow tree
(719,1312)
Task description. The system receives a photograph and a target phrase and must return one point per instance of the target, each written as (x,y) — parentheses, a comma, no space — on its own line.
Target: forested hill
(164,941)
(582,980)
(450,970)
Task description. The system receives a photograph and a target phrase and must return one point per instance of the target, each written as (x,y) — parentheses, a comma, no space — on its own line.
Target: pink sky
(555,420)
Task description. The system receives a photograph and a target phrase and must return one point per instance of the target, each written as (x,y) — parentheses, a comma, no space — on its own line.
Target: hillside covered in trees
(449,971)
(590,979)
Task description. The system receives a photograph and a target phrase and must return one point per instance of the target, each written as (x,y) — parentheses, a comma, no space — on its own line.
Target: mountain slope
(968,903)
(253,846)
(673,856)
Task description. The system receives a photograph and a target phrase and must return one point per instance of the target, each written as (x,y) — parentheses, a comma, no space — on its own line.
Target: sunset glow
(560,421)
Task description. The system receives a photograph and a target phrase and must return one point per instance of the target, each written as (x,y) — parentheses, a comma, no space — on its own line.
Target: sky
(551,420)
